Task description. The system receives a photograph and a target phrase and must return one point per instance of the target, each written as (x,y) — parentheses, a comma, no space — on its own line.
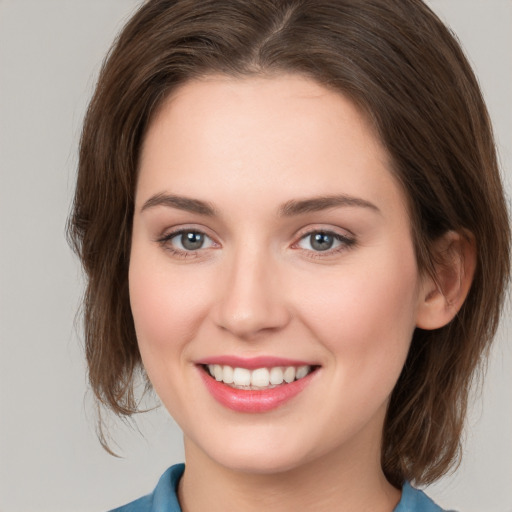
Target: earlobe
(443,294)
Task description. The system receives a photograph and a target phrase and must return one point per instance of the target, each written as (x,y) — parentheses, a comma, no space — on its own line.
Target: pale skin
(243,163)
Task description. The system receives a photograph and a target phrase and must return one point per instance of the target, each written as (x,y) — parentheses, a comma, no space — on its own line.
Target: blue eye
(321,241)
(188,240)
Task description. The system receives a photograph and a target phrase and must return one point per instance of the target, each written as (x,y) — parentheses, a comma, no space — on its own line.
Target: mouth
(255,386)
(259,378)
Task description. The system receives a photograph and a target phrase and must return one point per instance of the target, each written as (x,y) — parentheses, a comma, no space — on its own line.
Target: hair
(405,70)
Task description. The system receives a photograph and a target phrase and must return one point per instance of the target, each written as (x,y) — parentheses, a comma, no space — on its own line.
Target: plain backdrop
(50,459)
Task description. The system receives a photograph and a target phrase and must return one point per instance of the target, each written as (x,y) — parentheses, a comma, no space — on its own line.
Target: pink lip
(253,401)
(251,363)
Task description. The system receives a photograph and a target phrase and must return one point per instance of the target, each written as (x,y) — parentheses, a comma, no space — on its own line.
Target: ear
(443,294)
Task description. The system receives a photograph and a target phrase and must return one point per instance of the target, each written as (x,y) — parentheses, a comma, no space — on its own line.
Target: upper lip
(252,363)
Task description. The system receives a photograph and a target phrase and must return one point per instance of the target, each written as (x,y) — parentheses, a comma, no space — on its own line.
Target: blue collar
(164,498)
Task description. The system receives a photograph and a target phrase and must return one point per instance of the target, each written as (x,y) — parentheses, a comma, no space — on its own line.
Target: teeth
(289,374)
(276,376)
(259,378)
(301,372)
(217,372)
(241,377)
(227,374)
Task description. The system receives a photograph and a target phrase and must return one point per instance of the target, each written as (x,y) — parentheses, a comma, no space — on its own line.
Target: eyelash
(346,243)
(165,242)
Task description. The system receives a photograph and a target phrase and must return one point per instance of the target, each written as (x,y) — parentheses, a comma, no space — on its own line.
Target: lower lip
(253,400)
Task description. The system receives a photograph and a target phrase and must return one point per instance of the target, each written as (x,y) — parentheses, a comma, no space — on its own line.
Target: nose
(251,299)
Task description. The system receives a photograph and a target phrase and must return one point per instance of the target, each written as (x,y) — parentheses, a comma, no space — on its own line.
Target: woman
(293,224)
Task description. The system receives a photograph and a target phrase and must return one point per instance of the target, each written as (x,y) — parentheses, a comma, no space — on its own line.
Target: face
(273,280)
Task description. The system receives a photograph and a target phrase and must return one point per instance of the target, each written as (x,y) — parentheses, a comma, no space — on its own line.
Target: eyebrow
(288,209)
(316,204)
(181,203)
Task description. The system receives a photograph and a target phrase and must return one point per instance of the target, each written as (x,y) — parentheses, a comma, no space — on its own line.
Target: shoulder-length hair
(404,69)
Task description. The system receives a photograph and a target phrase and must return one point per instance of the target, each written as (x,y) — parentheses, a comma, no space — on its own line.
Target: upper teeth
(259,378)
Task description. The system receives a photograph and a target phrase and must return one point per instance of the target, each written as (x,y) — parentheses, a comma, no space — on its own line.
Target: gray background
(50,460)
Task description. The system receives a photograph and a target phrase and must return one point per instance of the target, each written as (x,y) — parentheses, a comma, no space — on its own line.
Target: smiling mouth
(259,378)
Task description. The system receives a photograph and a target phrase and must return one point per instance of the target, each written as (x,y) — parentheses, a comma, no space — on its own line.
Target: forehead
(267,106)
(286,134)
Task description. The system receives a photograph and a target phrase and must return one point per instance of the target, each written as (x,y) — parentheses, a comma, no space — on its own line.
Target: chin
(260,456)
(262,463)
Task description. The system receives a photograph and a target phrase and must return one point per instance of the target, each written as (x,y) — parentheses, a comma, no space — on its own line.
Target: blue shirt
(164,498)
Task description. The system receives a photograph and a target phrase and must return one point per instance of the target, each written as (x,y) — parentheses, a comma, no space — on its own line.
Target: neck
(345,482)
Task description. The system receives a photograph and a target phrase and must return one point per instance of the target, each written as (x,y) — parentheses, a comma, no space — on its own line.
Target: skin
(257,287)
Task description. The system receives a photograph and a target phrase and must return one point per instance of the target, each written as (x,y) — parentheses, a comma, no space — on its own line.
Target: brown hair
(400,65)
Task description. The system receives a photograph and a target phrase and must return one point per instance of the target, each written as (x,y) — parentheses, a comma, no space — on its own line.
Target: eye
(322,241)
(187,240)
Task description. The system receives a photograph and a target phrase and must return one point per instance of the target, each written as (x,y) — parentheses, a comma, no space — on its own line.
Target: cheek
(167,307)
(365,316)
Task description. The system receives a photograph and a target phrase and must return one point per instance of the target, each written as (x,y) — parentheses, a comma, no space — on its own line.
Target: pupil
(192,241)
(321,241)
